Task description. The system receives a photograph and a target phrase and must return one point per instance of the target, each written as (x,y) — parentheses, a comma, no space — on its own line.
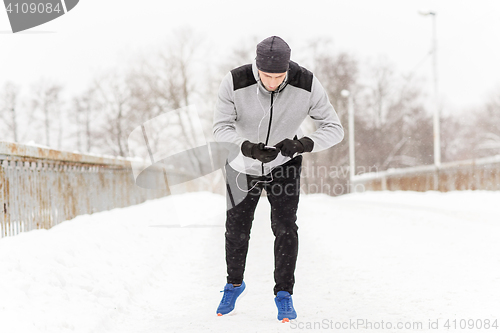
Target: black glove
(257,151)
(290,147)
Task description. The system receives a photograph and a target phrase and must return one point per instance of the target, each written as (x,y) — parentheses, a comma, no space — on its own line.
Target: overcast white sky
(98,35)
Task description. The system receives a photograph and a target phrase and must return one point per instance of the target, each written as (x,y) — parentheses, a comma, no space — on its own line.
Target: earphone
(258,135)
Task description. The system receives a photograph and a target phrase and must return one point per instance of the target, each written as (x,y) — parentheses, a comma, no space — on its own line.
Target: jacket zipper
(269,127)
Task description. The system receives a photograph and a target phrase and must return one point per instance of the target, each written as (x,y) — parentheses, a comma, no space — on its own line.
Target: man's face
(271,81)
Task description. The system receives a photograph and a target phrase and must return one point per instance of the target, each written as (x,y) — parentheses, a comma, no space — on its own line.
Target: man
(260,108)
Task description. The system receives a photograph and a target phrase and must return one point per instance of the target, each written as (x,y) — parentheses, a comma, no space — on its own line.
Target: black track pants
(283,195)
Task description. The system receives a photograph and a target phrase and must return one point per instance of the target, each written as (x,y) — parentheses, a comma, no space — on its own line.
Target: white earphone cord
(258,137)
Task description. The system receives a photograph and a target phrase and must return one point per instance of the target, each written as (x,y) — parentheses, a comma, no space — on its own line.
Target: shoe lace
(228,294)
(286,304)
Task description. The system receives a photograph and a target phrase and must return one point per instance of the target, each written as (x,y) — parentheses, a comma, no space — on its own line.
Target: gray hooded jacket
(246,110)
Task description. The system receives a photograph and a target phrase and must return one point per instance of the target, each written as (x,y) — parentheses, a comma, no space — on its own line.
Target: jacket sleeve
(225,114)
(329,131)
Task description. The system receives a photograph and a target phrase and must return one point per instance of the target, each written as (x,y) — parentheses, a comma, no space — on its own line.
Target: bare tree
(396,130)
(172,74)
(76,113)
(170,81)
(46,99)
(85,109)
(113,93)
(458,136)
(9,108)
(379,90)
(487,126)
(336,71)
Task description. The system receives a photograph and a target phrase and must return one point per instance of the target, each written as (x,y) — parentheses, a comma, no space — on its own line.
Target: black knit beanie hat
(273,55)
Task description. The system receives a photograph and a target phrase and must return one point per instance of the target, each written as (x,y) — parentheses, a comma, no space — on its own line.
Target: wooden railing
(478,174)
(42,187)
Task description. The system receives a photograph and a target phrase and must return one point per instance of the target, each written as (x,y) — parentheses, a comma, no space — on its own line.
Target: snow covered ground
(374,258)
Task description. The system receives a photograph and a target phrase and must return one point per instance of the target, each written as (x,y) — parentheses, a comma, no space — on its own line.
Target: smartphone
(270,147)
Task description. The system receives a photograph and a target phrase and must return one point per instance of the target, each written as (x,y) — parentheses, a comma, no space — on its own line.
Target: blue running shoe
(228,301)
(283,301)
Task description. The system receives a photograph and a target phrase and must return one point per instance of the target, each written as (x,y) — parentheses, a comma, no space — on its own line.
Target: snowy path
(395,257)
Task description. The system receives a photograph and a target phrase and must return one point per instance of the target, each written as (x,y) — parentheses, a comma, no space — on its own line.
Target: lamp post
(437,135)
(352,170)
